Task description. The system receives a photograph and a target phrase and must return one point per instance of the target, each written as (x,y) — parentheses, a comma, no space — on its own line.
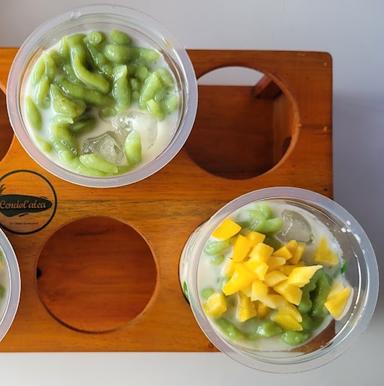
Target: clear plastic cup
(103,17)
(362,274)
(10,302)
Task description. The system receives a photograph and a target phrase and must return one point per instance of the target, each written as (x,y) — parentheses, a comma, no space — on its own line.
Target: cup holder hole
(244,123)
(96,274)
(6,132)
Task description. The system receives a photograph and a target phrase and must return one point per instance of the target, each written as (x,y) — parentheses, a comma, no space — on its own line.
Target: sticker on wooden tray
(27,202)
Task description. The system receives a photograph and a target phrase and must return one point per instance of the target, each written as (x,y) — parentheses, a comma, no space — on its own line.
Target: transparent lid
(9,303)
(104,17)
(362,274)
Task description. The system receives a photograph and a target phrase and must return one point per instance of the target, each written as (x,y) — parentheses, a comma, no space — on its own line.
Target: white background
(353,32)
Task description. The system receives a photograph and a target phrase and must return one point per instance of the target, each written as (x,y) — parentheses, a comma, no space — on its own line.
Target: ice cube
(107,146)
(295,227)
(122,122)
(144,123)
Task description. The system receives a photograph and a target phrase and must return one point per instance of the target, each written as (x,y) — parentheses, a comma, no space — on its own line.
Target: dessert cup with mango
(280,279)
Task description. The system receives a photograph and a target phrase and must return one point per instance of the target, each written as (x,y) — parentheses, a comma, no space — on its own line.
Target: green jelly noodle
(250,321)
(81,83)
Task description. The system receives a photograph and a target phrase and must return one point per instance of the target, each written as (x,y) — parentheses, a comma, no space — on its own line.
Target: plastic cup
(10,302)
(362,274)
(103,17)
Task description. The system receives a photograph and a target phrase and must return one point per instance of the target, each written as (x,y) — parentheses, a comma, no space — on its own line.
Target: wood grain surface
(260,142)
(6,132)
(96,274)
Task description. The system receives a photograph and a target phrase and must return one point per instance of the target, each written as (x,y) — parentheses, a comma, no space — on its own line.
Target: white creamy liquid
(210,275)
(166,128)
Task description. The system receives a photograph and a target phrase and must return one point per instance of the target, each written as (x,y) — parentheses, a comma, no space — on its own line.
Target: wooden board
(105,285)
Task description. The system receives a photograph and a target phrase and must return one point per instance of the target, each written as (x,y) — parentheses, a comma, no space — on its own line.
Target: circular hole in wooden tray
(244,123)
(6,132)
(96,274)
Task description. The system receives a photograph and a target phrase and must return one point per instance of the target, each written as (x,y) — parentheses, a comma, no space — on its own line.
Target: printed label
(27,202)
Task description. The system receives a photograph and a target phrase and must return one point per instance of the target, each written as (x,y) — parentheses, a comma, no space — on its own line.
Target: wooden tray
(90,282)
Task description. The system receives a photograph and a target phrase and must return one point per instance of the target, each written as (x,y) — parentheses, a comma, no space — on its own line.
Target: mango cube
(292,245)
(274,262)
(245,308)
(216,305)
(262,310)
(261,252)
(255,238)
(298,254)
(229,268)
(301,276)
(259,268)
(337,301)
(337,286)
(291,310)
(227,229)
(324,255)
(273,301)
(274,277)
(287,268)
(241,248)
(259,290)
(283,252)
(290,292)
(240,279)
(287,321)
(247,291)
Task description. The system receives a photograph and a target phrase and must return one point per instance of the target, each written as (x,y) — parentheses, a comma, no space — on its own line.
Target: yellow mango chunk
(290,292)
(290,309)
(300,276)
(227,229)
(297,254)
(286,321)
(287,269)
(261,271)
(229,268)
(261,252)
(240,279)
(259,290)
(324,255)
(216,305)
(337,286)
(274,262)
(255,238)
(337,301)
(245,308)
(241,248)
(273,301)
(262,310)
(274,277)
(247,291)
(292,245)
(283,252)
(259,268)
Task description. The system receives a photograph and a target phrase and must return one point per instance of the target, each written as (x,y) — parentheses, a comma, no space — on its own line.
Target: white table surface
(353,32)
